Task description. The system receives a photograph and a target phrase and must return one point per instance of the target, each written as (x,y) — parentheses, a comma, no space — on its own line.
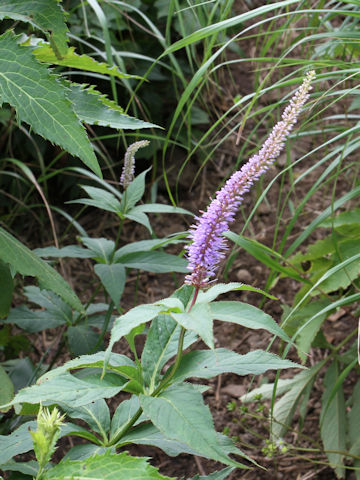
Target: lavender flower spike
(208,243)
(127,175)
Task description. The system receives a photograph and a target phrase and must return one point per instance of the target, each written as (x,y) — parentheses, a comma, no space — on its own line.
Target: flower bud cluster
(127,175)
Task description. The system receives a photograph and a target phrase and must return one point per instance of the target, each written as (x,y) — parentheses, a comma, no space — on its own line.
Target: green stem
(164,382)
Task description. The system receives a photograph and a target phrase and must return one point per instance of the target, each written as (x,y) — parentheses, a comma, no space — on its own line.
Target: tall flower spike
(127,175)
(208,243)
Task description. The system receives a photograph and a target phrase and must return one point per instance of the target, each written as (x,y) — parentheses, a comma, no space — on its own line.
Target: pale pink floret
(208,243)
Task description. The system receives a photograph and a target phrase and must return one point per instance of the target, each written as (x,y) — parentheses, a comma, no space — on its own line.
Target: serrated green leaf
(125,323)
(96,415)
(123,414)
(139,217)
(102,248)
(95,109)
(28,468)
(82,339)
(161,344)
(144,246)
(69,390)
(93,361)
(113,278)
(33,321)
(6,291)
(246,315)
(71,251)
(208,364)
(20,441)
(154,261)
(25,262)
(148,434)
(40,100)
(333,420)
(71,59)
(200,320)
(100,198)
(213,292)
(105,467)
(171,414)
(159,208)
(45,15)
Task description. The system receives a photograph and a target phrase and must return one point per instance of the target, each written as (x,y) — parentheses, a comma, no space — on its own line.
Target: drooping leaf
(145,246)
(17,442)
(71,251)
(213,292)
(123,414)
(45,15)
(20,441)
(148,434)
(285,407)
(6,291)
(99,198)
(161,344)
(7,387)
(33,321)
(154,261)
(200,320)
(125,323)
(105,467)
(171,414)
(69,390)
(160,208)
(208,363)
(95,109)
(102,248)
(25,262)
(246,315)
(333,420)
(116,361)
(82,339)
(28,468)
(40,100)
(113,278)
(95,414)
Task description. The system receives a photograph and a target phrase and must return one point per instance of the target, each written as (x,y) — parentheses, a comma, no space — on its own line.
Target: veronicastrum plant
(158,405)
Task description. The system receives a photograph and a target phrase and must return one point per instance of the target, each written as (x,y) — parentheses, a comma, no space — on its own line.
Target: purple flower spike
(208,243)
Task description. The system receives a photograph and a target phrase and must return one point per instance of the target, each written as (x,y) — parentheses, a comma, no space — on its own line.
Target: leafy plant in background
(157,412)
(326,270)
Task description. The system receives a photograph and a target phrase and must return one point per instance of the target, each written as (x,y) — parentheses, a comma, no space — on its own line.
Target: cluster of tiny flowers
(208,243)
(127,175)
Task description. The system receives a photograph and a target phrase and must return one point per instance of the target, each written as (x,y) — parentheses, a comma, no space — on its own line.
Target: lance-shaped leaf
(107,467)
(6,291)
(208,364)
(45,15)
(113,278)
(220,288)
(194,427)
(333,420)
(161,344)
(246,315)
(40,100)
(95,109)
(69,390)
(25,262)
(199,320)
(95,414)
(154,261)
(71,59)
(20,440)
